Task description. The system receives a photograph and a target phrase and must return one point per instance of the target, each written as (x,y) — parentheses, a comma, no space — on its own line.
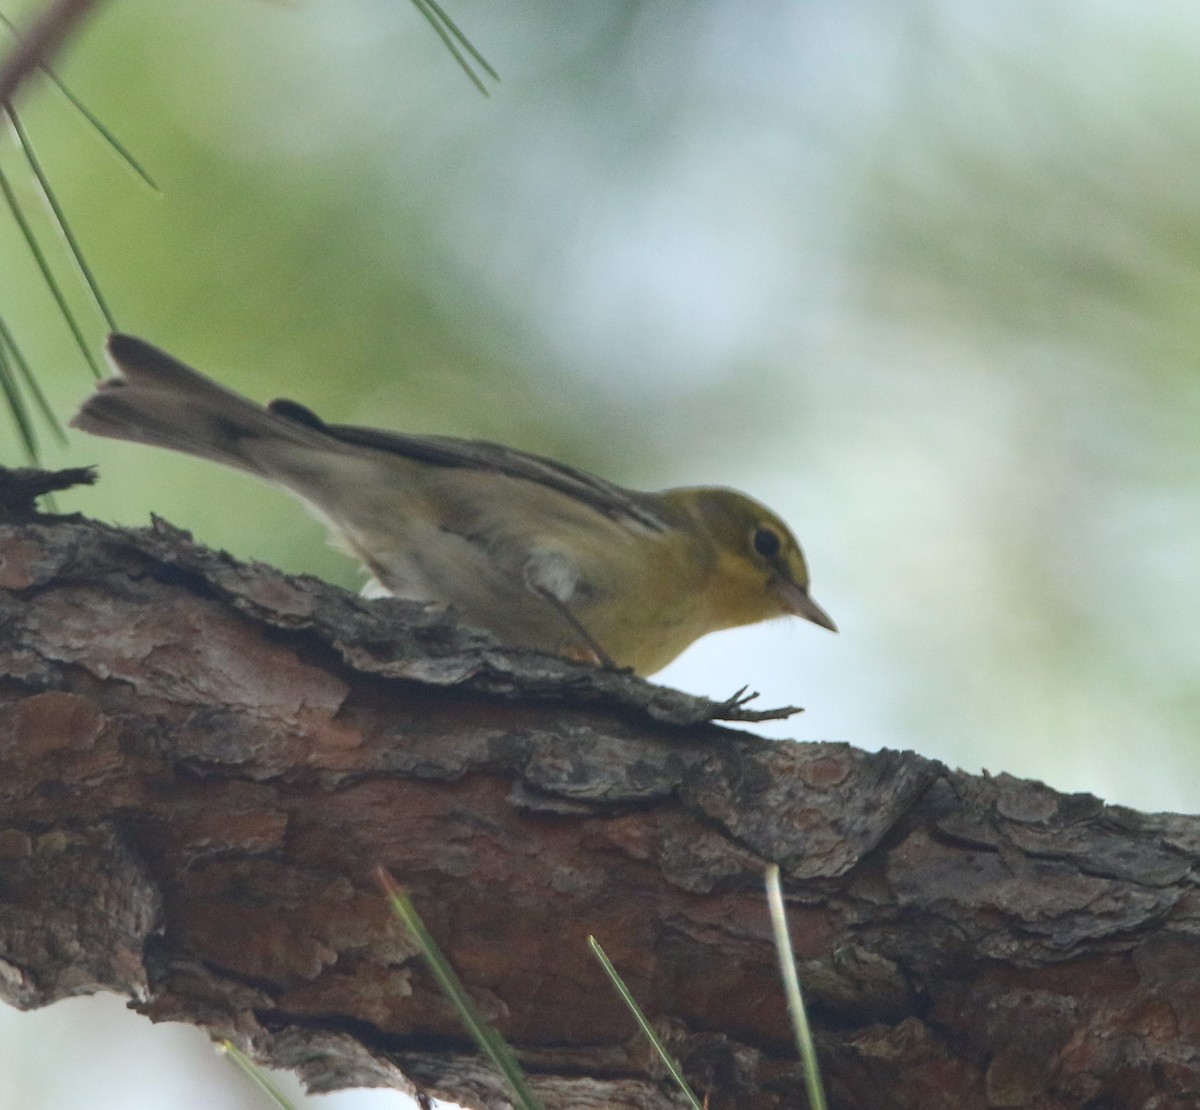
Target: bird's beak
(797,602)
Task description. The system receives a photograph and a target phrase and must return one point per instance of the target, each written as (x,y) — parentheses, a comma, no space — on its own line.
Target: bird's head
(758,569)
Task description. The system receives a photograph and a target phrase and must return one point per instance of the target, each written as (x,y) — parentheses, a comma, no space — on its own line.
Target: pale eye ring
(766,542)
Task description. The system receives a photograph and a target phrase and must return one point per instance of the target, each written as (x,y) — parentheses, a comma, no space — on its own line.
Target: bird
(538,553)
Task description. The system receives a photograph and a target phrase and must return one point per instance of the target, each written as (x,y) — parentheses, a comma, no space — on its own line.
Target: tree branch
(201,761)
(41,41)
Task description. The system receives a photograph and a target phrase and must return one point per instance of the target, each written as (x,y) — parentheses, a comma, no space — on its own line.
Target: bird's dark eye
(766,542)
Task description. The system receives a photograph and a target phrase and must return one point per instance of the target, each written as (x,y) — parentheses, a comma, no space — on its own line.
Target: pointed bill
(796,601)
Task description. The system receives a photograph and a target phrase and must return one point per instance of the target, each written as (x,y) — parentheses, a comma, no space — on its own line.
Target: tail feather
(159,401)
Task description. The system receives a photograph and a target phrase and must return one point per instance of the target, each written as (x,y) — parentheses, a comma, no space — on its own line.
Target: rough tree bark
(202,761)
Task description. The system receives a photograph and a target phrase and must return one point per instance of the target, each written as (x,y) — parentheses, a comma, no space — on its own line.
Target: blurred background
(922,275)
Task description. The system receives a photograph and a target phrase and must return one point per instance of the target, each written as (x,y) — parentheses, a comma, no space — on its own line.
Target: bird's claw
(734,708)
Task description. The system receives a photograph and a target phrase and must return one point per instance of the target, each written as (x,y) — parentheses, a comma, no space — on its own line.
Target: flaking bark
(201,762)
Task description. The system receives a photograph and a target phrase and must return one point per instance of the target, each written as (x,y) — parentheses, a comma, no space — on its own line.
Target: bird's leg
(555,578)
(602,658)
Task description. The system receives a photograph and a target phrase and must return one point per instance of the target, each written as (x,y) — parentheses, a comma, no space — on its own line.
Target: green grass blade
(14,206)
(60,217)
(489,1041)
(257,1075)
(452,37)
(7,339)
(791,985)
(647,1028)
(119,148)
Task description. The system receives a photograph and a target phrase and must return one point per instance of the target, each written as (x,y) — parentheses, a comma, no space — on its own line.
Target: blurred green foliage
(919,275)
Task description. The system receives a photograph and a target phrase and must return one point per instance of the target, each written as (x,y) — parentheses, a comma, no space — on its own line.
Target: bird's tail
(160,401)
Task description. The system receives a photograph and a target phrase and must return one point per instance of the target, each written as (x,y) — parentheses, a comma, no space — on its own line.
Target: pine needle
(257,1075)
(14,206)
(493,1046)
(17,406)
(101,128)
(631,1003)
(21,363)
(60,217)
(453,38)
(791,985)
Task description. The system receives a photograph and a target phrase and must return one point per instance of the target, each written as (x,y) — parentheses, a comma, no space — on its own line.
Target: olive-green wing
(473,454)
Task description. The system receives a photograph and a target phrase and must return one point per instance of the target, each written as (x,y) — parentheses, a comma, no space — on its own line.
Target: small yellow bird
(542,555)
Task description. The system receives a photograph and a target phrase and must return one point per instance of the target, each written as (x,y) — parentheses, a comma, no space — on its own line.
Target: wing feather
(473,454)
